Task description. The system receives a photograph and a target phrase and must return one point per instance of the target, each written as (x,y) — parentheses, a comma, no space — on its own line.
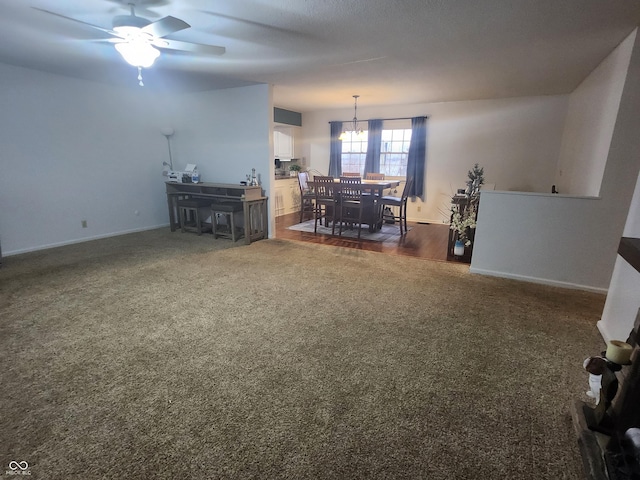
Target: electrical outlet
(419,208)
(84,223)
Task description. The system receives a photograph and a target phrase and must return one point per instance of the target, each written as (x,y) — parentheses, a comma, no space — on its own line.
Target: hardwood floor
(427,241)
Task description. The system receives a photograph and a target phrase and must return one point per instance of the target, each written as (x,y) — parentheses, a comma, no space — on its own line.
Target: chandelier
(353,127)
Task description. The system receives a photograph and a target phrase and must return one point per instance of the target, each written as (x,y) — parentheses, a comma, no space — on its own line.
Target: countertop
(284,177)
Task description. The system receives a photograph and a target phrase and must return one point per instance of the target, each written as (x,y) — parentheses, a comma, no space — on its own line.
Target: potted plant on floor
(464,212)
(462,223)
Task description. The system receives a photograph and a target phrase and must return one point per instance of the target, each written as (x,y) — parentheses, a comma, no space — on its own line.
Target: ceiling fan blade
(189,47)
(112,41)
(165,26)
(106,30)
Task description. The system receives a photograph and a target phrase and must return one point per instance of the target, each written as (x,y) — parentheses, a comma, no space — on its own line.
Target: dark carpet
(165,355)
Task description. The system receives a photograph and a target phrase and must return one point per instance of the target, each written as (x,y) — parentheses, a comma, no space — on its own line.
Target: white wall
(542,238)
(74,150)
(227,133)
(623,299)
(622,304)
(224,131)
(570,241)
(516,140)
(593,108)
(632,226)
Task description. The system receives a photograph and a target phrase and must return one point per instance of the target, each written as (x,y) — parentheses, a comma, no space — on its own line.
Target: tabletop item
(619,352)
(253,180)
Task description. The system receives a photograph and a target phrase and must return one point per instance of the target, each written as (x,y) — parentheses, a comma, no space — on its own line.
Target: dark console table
(253,202)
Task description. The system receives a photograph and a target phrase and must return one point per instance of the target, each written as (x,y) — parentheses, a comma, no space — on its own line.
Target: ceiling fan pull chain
(140,77)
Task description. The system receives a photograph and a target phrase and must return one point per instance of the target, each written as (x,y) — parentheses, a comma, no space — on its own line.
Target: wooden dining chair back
(351,180)
(323,187)
(303,181)
(351,204)
(326,205)
(374,176)
(350,187)
(307,196)
(397,202)
(351,174)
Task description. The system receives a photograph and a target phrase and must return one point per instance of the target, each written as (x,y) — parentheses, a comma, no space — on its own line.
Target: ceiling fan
(138,39)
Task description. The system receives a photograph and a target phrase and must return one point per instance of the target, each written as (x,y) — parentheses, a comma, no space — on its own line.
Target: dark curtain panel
(372,160)
(417,159)
(335,152)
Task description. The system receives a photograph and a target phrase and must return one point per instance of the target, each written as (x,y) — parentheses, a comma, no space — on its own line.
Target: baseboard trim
(426,220)
(81,240)
(543,281)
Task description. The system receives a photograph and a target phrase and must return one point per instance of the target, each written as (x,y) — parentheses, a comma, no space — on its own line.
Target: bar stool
(228,209)
(190,208)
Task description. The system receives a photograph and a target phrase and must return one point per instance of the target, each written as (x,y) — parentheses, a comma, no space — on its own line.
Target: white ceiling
(318,53)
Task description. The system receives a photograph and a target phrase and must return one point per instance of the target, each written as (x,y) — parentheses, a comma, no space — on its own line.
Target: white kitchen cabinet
(283,143)
(287,196)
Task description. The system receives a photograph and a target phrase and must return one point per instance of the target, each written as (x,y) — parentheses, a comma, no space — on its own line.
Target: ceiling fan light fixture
(127,31)
(137,53)
(136,37)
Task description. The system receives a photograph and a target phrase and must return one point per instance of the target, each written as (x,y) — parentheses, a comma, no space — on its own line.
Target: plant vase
(458,248)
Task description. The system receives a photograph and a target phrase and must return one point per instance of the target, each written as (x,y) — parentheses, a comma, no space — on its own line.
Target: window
(394,152)
(354,152)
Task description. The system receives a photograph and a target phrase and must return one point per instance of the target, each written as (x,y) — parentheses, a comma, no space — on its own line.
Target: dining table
(375,188)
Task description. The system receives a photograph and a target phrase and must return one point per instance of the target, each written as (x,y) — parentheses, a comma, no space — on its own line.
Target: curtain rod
(383,119)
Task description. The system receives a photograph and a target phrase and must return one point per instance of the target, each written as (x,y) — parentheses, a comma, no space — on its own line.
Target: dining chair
(351,174)
(374,176)
(397,202)
(326,205)
(307,196)
(351,202)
